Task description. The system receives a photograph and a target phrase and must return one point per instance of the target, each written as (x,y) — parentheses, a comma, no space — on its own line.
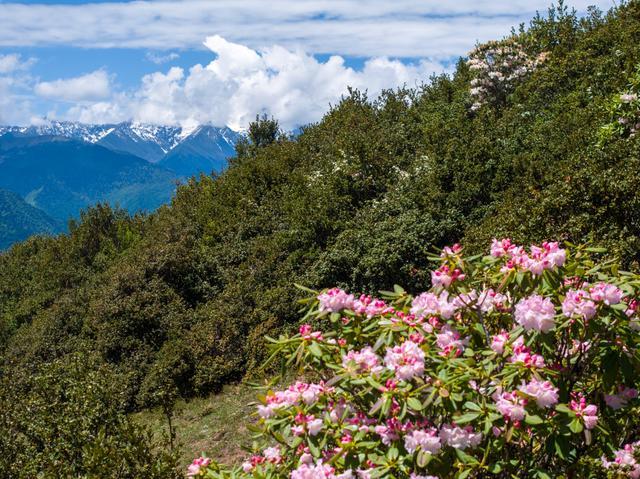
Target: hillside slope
(19,220)
(178,302)
(62,176)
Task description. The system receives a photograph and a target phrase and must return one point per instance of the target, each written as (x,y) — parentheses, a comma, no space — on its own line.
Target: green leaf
(533,419)
(414,403)
(473,406)
(423,459)
(576,426)
(463,474)
(465,458)
(468,417)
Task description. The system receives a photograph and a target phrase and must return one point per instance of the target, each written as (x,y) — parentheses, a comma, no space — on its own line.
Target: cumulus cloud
(15,85)
(92,86)
(159,59)
(399,28)
(293,86)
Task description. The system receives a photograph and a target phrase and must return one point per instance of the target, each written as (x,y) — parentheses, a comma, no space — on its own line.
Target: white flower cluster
(498,66)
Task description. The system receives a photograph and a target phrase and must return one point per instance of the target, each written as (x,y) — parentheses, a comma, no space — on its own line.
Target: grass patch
(215,425)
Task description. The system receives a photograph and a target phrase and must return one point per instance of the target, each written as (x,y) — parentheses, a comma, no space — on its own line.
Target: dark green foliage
(178,302)
(19,220)
(67,421)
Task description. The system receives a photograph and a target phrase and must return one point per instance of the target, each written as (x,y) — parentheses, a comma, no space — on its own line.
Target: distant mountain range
(57,169)
(149,142)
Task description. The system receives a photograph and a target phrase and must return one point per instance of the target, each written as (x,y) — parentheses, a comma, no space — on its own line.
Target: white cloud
(159,59)
(92,86)
(293,86)
(15,84)
(400,28)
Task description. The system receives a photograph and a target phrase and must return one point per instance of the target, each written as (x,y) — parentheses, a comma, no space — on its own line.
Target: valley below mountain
(60,168)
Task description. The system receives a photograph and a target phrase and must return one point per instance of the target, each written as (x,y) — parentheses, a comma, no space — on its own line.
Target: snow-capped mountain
(150,142)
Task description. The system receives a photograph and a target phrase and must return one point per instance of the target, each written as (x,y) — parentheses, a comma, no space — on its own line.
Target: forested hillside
(177,303)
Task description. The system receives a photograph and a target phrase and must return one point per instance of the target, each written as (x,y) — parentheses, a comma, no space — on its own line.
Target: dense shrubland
(177,303)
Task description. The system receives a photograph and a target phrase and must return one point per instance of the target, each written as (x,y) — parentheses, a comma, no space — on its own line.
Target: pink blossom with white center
(460,437)
(624,461)
(578,303)
(511,406)
(428,304)
(499,341)
(609,294)
(313,471)
(588,412)
(522,354)
(620,400)
(254,461)
(308,393)
(487,301)
(363,361)
(387,434)
(335,300)
(406,360)
(544,393)
(196,466)
(272,455)
(425,439)
(628,97)
(449,341)
(535,313)
(443,276)
(448,252)
(500,248)
(307,333)
(369,306)
(314,426)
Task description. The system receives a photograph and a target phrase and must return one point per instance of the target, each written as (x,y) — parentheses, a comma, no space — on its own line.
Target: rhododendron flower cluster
(522,363)
(498,67)
(624,110)
(535,313)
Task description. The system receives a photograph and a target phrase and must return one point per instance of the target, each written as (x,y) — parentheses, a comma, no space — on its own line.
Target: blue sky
(223,61)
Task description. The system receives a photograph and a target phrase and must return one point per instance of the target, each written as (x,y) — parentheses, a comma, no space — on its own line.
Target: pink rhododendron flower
(578,303)
(425,439)
(335,300)
(620,400)
(588,412)
(196,466)
(544,393)
(311,471)
(460,437)
(522,354)
(449,341)
(365,360)
(443,276)
(511,406)
(369,306)
(448,252)
(428,304)
(499,341)
(609,294)
(625,461)
(500,248)
(406,360)
(487,301)
(535,313)
(272,454)
(307,333)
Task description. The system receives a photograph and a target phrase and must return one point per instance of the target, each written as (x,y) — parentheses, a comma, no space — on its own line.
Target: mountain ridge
(147,141)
